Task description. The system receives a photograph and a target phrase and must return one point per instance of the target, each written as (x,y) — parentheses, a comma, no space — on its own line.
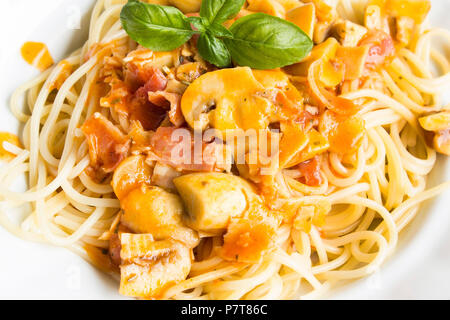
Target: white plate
(420,268)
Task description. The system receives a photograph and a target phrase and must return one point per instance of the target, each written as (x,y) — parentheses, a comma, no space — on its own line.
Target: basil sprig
(266,41)
(213,49)
(259,41)
(219,11)
(159,28)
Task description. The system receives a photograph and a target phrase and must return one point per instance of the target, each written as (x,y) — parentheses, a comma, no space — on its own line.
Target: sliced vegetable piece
(348,33)
(324,51)
(225,99)
(344,133)
(331,73)
(153,210)
(294,140)
(317,144)
(310,172)
(325,98)
(311,214)
(37,55)
(304,17)
(108,146)
(211,199)
(149,267)
(381,48)
(271,7)
(415,9)
(354,60)
(249,238)
(129,175)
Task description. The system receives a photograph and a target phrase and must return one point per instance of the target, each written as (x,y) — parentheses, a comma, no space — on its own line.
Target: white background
(420,269)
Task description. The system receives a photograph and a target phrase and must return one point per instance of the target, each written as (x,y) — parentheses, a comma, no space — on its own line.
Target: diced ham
(310,171)
(150,115)
(381,48)
(169,101)
(134,102)
(136,76)
(156,82)
(178,152)
(108,146)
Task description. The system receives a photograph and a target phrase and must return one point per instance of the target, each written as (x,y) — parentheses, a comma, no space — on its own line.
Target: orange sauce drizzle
(37,55)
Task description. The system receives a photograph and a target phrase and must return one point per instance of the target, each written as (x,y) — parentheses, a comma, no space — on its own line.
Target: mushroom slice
(212,199)
(155,211)
(130,175)
(226,99)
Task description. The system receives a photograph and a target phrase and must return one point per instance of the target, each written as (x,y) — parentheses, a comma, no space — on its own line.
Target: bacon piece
(381,48)
(176,149)
(310,171)
(156,82)
(172,102)
(108,146)
(137,76)
(147,113)
(118,97)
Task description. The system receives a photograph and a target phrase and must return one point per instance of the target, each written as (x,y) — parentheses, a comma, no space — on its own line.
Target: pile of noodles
(372,201)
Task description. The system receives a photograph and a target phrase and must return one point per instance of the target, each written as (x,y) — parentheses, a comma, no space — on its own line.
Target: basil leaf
(262,41)
(198,23)
(219,30)
(218,11)
(213,50)
(155,27)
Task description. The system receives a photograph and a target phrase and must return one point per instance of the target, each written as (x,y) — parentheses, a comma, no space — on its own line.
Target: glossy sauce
(37,55)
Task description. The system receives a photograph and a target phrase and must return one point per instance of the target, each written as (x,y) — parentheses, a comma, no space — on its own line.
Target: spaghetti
(367,196)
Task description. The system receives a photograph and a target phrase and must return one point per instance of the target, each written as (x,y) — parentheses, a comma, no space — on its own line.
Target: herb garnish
(259,40)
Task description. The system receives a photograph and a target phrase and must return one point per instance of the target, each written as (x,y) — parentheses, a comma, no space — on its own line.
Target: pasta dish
(231,149)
